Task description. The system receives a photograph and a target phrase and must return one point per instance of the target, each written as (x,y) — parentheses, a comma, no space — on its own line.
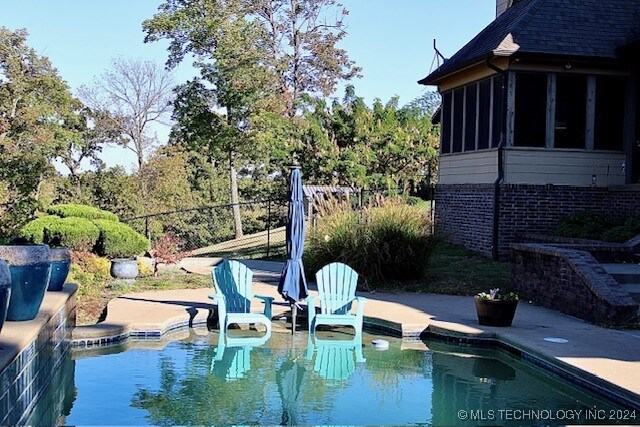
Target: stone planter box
(60,263)
(5,291)
(30,268)
(124,268)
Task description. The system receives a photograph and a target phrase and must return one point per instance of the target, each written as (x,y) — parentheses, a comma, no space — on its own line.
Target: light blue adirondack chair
(335,359)
(336,294)
(234,292)
(232,359)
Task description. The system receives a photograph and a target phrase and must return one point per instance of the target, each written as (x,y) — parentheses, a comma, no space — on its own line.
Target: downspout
(495,246)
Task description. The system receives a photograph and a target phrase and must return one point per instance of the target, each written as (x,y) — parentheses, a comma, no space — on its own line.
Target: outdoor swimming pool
(195,380)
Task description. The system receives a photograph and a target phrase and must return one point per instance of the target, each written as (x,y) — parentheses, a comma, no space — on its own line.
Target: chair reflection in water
(335,359)
(232,359)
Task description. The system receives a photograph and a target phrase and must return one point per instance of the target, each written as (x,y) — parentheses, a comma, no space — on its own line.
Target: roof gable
(584,28)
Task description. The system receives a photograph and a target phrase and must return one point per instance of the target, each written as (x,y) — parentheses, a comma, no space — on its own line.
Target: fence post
(146,228)
(268,227)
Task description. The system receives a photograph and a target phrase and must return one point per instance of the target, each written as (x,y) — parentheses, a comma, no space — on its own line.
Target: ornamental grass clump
(386,241)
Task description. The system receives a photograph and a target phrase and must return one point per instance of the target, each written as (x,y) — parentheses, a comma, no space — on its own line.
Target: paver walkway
(593,353)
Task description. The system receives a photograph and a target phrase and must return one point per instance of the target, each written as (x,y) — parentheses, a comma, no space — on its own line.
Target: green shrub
(119,240)
(416,201)
(591,225)
(89,272)
(81,211)
(34,230)
(385,242)
(78,234)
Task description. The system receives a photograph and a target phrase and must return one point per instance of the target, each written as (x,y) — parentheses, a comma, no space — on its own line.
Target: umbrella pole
(294,315)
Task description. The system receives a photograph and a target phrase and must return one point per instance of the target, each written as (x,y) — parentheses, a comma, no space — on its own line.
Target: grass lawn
(455,270)
(93,299)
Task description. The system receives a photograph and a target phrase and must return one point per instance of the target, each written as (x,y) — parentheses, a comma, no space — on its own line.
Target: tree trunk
(233,175)
(212,162)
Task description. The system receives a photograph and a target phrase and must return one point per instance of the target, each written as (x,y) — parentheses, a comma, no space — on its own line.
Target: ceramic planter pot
(495,312)
(5,291)
(124,268)
(30,269)
(60,263)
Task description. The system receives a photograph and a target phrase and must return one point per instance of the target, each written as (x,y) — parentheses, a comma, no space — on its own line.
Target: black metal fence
(209,231)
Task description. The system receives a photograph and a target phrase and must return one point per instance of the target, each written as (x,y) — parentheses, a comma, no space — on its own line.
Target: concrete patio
(606,360)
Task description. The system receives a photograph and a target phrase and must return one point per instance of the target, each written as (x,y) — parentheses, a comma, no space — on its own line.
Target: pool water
(200,379)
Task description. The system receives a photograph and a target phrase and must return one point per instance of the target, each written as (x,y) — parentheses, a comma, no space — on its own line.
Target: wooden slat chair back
(234,280)
(234,292)
(337,284)
(336,288)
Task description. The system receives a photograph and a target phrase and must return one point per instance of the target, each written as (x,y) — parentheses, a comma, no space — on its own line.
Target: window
(609,120)
(571,111)
(470,121)
(499,109)
(530,126)
(484,114)
(446,123)
(458,120)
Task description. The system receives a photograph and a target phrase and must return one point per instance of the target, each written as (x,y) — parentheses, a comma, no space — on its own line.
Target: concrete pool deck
(605,360)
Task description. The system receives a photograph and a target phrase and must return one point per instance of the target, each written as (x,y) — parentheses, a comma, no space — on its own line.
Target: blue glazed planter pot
(30,273)
(5,291)
(60,263)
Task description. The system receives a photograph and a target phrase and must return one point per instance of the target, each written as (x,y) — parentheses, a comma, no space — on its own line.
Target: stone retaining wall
(572,282)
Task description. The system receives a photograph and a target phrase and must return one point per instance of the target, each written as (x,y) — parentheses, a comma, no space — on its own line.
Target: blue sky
(391,40)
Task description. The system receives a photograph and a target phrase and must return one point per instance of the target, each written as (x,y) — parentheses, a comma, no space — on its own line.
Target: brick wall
(464,215)
(537,208)
(464,212)
(572,282)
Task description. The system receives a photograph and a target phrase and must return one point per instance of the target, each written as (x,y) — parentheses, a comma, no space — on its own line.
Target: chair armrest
(221,301)
(360,308)
(267,304)
(311,308)
(218,298)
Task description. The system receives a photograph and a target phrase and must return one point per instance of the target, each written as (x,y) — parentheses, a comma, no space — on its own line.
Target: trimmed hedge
(78,234)
(81,211)
(119,240)
(34,230)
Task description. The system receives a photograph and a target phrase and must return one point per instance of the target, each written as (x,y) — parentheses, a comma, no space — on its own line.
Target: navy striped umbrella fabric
(293,285)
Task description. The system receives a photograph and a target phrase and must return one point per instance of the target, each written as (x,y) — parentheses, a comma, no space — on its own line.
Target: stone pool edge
(31,352)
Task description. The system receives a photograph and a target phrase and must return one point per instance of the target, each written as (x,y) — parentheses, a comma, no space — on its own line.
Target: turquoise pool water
(290,380)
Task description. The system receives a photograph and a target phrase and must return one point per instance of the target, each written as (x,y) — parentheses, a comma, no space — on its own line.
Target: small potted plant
(495,308)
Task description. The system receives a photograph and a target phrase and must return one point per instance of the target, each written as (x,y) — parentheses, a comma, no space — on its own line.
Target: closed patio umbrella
(293,284)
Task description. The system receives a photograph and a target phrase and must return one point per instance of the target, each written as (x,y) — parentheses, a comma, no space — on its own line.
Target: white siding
(501,6)
(477,167)
(563,167)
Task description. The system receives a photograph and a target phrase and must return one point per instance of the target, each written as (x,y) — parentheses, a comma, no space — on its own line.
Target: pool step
(628,275)
(624,273)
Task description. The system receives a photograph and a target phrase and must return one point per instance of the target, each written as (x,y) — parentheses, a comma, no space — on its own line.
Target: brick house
(539,119)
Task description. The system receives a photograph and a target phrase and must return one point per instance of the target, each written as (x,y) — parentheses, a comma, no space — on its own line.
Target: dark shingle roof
(578,28)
